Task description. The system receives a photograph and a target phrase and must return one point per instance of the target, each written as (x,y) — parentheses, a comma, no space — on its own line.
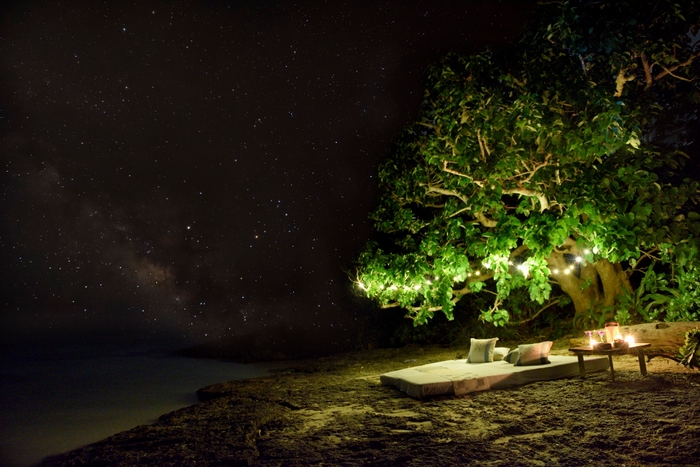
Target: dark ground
(333,411)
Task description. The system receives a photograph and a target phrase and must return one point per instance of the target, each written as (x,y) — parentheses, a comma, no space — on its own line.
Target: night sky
(205,169)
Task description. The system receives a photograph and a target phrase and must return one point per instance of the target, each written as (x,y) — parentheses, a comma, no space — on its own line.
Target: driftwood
(665,338)
(652,354)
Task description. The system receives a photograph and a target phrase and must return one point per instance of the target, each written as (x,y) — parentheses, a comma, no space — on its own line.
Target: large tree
(548,166)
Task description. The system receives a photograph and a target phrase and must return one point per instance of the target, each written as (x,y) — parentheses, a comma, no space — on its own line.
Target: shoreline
(56,399)
(334,410)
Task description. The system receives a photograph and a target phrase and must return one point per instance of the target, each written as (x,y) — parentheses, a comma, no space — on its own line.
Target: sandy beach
(334,411)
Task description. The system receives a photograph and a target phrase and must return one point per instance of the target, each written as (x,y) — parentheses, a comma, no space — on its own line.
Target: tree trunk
(590,285)
(663,337)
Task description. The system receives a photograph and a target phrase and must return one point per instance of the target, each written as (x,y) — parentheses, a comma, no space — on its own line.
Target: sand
(333,411)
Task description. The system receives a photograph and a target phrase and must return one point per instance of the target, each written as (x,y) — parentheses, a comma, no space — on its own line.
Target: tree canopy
(555,166)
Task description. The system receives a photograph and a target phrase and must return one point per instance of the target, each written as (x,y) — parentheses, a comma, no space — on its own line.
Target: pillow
(481,350)
(512,356)
(499,353)
(534,354)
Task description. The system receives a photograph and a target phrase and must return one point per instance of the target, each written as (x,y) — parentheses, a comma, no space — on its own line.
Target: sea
(54,399)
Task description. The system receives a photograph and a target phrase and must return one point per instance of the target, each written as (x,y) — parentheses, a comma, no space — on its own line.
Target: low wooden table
(633,349)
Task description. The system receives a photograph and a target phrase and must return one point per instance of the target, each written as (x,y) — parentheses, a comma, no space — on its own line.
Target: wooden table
(633,349)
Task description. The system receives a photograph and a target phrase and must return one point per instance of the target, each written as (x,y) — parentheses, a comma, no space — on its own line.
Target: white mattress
(457,377)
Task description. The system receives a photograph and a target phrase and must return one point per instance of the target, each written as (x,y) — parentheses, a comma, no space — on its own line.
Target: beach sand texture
(334,411)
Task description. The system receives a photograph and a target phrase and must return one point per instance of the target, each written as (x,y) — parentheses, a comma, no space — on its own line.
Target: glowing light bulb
(579,259)
(556,271)
(477,273)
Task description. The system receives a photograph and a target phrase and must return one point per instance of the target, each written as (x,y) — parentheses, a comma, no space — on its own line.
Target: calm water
(53,400)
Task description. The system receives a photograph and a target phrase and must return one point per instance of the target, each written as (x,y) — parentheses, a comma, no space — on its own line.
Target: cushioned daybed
(457,377)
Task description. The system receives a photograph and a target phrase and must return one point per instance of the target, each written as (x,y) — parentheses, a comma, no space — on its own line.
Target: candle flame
(629,339)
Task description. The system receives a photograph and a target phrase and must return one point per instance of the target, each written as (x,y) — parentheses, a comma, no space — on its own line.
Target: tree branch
(550,304)
(443,191)
(485,221)
(669,71)
(479,183)
(647,254)
(482,145)
(650,355)
(531,172)
(647,71)
(433,127)
(544,202)
(457,213)
(621,80)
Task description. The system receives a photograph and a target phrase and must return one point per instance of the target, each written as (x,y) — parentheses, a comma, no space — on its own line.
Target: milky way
(204,168)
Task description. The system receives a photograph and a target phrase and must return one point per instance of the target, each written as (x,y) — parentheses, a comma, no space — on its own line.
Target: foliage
(594,318)
(689,354)
(684,294)
(667,297)
(541,168)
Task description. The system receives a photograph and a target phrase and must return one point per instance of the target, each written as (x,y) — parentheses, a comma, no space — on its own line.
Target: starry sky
(205,169)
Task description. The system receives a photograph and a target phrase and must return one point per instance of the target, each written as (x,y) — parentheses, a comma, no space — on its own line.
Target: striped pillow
(534,354)
(512,356)
(481,350)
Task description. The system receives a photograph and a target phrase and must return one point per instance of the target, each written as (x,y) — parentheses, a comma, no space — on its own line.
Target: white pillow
(499,353)
(481,350)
